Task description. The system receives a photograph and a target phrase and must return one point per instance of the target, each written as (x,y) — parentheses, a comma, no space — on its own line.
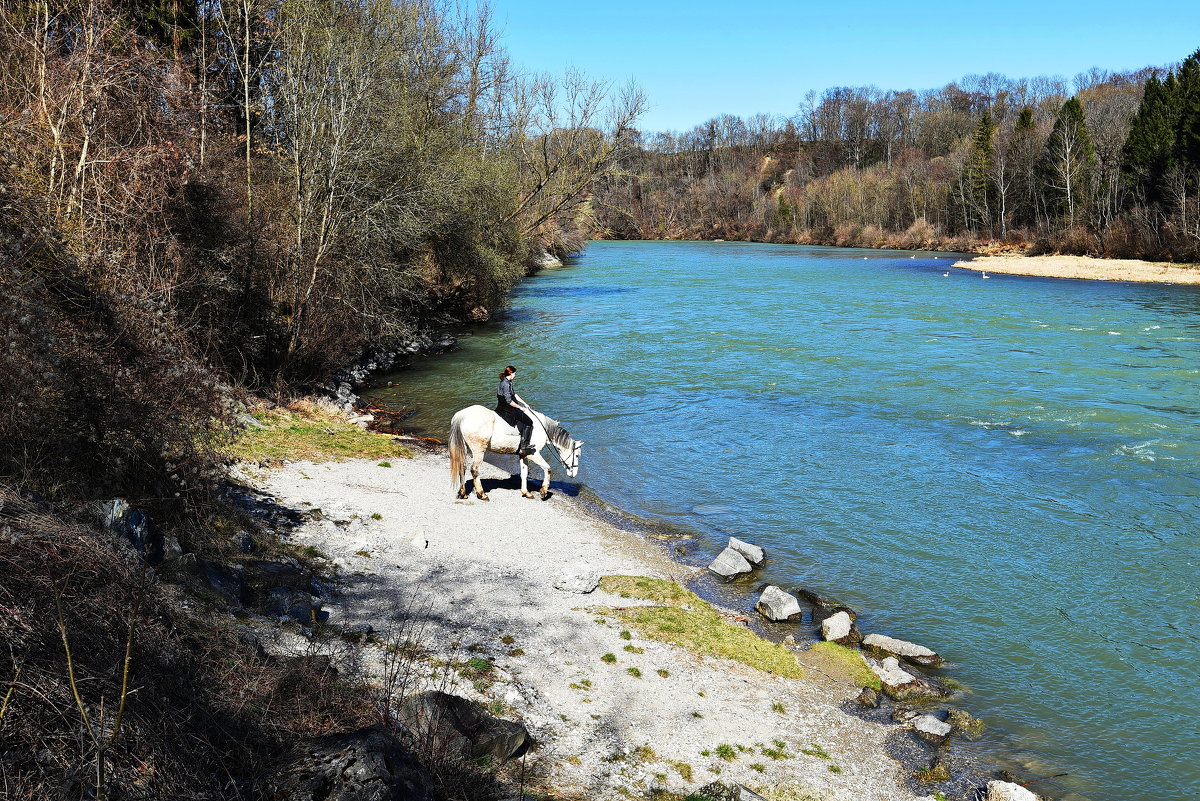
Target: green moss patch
(844,663)
(691,623)
(307,432)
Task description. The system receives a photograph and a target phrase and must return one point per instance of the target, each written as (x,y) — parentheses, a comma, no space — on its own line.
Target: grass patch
(758,766)
(376,516)
(384,464)
(778,707)
(834,769)
(663,673)
(633,649)
(705,631)
(517,652)
(308,432)
(726,752)
(644,753)
(508,639)
(609,658)
(583,684)
(686,620)
(651,589)
(683,769)
(937,773)
(625,635)
(817,751)
(848,662)
(635,672)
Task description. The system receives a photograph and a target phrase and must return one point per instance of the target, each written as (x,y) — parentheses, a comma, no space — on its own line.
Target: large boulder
(730,563)
(132,524)
(775,604)
(1007,791)
(912,653)
(927,727)
(457,727)
(839,628)
(751,553)
(365,765)
(901,685)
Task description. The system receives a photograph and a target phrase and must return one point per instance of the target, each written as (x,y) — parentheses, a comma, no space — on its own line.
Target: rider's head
(508,372)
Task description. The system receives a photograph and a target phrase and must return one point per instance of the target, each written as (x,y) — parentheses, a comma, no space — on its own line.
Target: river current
(1004,469)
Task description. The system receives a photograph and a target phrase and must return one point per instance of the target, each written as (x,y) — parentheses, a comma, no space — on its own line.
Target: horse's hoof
(527,495)
(483,496)
(545,496)
(463,495)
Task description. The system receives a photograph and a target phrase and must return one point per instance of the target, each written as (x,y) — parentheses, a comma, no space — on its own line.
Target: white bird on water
(985,275)
(945,275)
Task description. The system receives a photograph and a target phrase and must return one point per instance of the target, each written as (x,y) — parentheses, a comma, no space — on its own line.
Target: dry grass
(311,431)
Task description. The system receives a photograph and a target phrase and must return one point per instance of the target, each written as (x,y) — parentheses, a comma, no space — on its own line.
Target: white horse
(478,429)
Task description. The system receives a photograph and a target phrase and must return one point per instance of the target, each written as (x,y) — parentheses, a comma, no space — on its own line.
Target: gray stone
(248,421)
(775,604)
(839,628)
(579,580)
(909,652)
(293,603)
(868,698)
(901,685)
(730,563)
(751,553)
(172,550)
(244,542)
(965,724)
(226,580)
(927,727)
(458,727)
(123,520)
(365,765)
(1008,791)
(722,791)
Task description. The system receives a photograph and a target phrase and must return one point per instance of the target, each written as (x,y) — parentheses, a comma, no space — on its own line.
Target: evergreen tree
(1068,162)
(1149,149)
(1187,138)
(979,169)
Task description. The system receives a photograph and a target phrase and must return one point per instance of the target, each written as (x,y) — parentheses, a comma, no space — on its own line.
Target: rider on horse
(510,408)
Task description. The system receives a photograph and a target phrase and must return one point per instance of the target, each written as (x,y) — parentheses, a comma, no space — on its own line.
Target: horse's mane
(554,431)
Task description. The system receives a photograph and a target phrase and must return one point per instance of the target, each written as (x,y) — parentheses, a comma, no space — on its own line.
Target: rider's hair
(507,372)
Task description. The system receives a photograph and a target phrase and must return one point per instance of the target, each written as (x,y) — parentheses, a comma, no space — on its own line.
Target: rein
(538,417)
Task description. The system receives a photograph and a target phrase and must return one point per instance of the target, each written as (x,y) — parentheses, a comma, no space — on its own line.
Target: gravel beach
(496,577)
(1085,267)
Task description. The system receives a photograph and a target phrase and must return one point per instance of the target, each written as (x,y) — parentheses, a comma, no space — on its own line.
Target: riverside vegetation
(1108,165)
(206,200)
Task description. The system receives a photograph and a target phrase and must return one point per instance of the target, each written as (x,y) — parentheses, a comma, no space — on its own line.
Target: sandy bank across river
(489,571)
(1085,267)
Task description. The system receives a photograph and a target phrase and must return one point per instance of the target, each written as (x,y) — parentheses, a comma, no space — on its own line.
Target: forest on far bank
(1107,166)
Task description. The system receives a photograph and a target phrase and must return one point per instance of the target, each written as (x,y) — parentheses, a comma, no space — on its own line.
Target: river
(1005,469)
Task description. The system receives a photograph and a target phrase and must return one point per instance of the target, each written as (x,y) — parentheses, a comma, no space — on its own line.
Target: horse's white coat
(478,429)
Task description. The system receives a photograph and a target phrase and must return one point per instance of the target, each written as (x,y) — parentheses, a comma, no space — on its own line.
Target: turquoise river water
(1005,469)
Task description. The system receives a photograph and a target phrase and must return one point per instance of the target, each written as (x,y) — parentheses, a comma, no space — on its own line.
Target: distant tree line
(204,194)
(1111,168)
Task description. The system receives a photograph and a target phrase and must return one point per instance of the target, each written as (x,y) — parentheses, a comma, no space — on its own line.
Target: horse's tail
(458,450)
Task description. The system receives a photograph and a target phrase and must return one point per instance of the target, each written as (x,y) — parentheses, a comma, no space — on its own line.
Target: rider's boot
(523,449)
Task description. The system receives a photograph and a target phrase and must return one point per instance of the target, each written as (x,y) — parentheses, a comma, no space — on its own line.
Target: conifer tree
(1068,162)
(1149,149)
(979,169)
(1187,138)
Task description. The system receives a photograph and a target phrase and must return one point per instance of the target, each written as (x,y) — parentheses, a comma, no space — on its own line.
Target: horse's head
(570,455)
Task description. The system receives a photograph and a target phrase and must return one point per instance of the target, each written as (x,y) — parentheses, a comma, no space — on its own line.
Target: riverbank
(613,710)
(1089,267)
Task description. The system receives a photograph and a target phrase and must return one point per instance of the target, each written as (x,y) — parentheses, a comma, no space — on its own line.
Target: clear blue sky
(698,59)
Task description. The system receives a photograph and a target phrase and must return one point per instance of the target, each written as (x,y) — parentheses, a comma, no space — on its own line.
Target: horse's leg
(476,460)
(542,463)
(525,493)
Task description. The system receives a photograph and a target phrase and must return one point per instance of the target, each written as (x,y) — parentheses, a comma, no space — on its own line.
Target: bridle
(573,466)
